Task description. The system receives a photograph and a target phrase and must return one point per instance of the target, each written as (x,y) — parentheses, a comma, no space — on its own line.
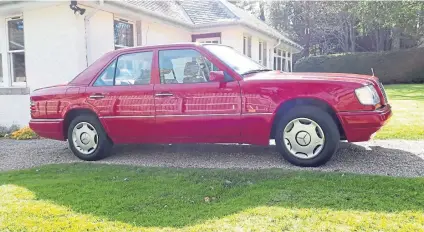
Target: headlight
(367,95)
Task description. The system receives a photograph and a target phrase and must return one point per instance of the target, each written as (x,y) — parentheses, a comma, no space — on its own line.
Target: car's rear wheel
(307,136)
(87,138)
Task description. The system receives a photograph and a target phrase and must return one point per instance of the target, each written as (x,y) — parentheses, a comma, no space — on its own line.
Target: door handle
(164,95)
(97,96)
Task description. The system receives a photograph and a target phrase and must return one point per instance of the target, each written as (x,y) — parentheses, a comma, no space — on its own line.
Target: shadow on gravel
(349,158)
(352,158)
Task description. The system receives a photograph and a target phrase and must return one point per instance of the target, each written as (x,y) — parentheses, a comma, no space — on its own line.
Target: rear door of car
(123,97)
(189,107)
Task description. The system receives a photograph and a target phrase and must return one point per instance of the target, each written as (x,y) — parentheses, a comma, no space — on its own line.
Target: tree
(326,27)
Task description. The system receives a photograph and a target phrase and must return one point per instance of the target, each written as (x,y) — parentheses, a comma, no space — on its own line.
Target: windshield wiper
(256,71)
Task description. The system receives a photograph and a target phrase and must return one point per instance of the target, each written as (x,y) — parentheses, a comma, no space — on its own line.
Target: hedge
(405,66)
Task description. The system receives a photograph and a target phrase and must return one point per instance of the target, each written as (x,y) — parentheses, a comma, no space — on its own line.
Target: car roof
(170,45)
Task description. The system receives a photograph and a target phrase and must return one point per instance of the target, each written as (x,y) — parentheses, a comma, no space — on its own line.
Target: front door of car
(190,107)
(122,95)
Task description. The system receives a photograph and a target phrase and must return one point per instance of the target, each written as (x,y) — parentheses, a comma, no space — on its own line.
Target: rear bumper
(360,126)
(48,128)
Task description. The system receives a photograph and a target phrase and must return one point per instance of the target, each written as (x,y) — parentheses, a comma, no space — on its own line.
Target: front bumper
(360,126)
(48,128)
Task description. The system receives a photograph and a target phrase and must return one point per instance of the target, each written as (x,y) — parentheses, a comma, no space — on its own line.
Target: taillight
(32,105)
(383,92)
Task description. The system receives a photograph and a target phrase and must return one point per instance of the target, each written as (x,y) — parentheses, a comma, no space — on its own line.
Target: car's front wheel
(87,138)
(307,136)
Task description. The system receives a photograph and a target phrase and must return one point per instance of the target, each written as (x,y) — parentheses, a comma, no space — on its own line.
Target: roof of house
(207,13)
(170,9)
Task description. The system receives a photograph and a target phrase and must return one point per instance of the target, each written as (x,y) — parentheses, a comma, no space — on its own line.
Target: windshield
(237,61)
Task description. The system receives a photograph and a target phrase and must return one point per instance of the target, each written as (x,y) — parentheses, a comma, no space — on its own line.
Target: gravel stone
(380,157)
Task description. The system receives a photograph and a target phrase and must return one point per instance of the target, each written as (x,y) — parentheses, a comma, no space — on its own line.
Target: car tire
(300,123)
(87,138)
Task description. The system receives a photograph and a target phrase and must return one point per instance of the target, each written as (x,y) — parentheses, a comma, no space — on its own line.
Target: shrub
(405,66)
(13,128)
(3,131)
(23,134)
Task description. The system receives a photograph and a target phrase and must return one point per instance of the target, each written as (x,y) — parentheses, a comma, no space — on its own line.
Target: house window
(279,60)
(263,53)
(260,52)
(247,46)
(213,40)
(1,69)
(16,49)
(289,61)
(279,63)
(124,33)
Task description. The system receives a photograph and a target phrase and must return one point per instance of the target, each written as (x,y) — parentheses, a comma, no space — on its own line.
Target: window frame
(124,20)
(247,45)
(9,80)
(115,60)
(2,76)
(260,55)
(209,40)
(280,57)
(265,54)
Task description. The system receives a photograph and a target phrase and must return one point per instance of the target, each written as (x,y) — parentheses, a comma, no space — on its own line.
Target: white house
(45,43)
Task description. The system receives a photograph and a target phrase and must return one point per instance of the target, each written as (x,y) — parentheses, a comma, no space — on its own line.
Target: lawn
(408,112)
(77,197)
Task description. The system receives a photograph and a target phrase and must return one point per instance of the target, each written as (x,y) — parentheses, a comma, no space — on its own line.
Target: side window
(184,66)
(129,69)
(106,78)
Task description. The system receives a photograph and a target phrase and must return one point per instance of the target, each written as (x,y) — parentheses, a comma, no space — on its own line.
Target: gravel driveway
(384,157)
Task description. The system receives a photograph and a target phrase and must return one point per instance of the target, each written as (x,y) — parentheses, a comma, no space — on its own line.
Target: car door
(123,97)
(191,108)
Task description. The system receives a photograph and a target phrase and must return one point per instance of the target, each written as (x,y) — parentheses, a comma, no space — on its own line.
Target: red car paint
(241,111)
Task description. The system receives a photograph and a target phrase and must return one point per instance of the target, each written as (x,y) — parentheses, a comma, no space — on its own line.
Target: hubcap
(85,138)
(303,138)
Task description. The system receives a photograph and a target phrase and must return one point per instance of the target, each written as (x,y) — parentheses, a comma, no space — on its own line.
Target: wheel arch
(291,103)
(71,114)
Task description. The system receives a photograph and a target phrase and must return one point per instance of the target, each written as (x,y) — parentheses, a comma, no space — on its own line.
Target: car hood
(343,77)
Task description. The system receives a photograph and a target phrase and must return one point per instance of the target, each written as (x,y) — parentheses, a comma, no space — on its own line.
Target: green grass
(408,112)
(75,197)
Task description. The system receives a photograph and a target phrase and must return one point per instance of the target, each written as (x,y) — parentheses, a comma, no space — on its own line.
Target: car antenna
(372,70)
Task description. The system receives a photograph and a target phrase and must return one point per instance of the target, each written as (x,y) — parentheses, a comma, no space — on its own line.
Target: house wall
(99,33)
(271,43)
(54,54)
(230,35)
(54,45)
(256,37)
(153,33)
(14,109)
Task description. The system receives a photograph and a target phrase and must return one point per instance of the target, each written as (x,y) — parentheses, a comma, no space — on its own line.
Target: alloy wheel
(303,138)
(85,138)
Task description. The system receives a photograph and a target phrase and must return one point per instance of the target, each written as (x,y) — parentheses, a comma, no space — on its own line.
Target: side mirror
(216,76)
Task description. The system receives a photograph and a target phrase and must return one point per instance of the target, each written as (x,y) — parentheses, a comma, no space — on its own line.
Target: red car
(194,93)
